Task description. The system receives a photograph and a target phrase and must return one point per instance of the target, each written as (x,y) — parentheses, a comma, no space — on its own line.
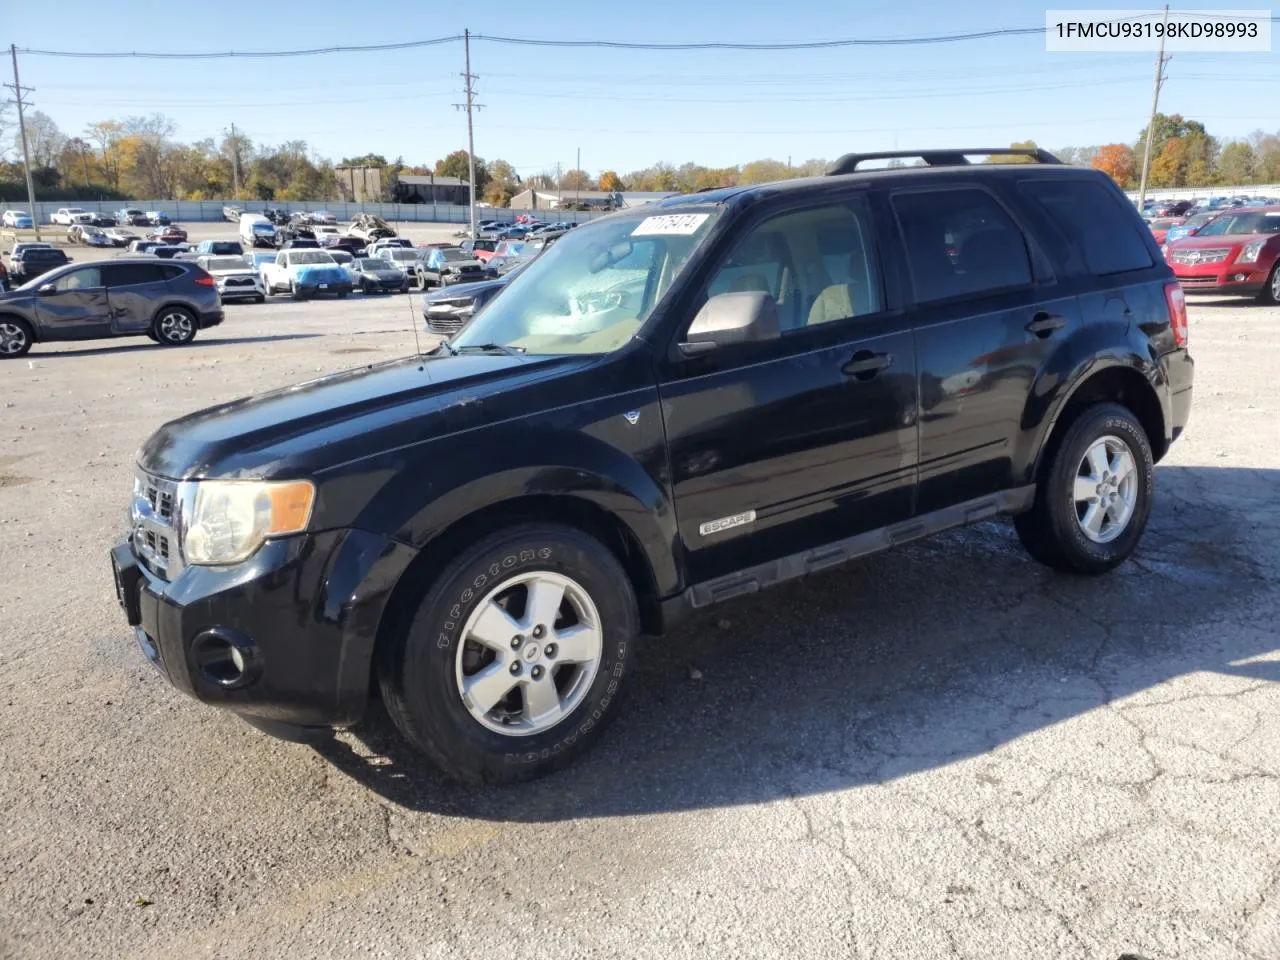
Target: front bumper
(1236,279)
(242,291)
(322,287)
(303,613)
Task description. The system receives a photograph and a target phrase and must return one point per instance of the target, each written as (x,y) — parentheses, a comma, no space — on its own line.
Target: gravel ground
(944,751)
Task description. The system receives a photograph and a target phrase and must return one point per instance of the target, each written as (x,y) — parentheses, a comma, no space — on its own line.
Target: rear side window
(1098,230)
(130,274)
(960,243)
(172,272)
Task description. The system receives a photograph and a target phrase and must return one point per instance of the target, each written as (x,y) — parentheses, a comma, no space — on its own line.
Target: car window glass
(85,278)
(960,243)
(1097,228)
(819,265)
(129,274)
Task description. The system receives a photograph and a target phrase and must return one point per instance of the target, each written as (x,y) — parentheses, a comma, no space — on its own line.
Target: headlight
(231,519)
(1164,249)
(1250,252)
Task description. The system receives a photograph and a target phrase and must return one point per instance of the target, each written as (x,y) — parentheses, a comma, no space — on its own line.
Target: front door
(988,316)
(76,308)
(784,445)
(134,291)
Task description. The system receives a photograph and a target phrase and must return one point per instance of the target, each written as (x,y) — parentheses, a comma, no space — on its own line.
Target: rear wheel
(514,657)
(294,291)
(259,299)
(15,337)
(174,327)
(1094,497)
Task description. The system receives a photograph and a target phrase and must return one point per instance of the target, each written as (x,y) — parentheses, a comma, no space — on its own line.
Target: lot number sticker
(682,224)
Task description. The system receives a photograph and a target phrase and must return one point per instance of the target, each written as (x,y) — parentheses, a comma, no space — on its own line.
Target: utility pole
(18,90)
(469,79)
(235,163)
(1161,60)
(578,188)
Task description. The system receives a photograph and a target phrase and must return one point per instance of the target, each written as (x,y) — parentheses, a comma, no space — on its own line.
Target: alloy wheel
(176,327)
(1106,489)
(529,654)
(13,339)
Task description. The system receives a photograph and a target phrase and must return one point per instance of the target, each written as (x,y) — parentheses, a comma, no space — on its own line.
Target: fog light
(226,658)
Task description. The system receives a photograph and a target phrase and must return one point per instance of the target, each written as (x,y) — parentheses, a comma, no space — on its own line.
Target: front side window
(592,292)
(86,278)
(960,243)
(819,265)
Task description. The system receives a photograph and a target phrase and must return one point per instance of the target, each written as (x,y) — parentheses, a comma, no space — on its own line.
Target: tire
(293,291)
(1271,292)
(174,327)
(1054,530)
(15,338)
(260,299)
(364,288)
(342,294)
(423,671)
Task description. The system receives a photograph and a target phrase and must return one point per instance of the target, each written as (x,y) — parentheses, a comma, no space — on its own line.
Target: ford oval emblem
(632,417)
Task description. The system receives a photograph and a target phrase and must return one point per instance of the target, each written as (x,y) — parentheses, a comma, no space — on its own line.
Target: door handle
(1043,324)
(864,365)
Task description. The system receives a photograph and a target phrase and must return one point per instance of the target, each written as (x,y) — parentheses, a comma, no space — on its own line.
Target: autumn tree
(106,136)
(1169,168)
(1116,161)
(456,165)
(611,182)
(1236,163)
(764,171)
(1015,157)
(577,180)
(44,140)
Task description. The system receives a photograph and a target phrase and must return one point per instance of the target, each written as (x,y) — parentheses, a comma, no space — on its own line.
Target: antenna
(413,325)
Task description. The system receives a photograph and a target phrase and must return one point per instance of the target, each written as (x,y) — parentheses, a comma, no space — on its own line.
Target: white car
(235,279)
(17,218)
(304,273)
(68,216)
(120,237)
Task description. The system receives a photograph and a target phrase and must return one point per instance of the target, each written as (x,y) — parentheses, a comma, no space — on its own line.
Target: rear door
(76,308)
(988,314)
(133,292)
(781,446)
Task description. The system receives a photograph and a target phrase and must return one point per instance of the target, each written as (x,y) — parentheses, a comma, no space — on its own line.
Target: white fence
(190,211)
(1196,193)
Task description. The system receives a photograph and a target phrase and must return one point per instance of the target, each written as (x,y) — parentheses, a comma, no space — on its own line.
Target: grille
(239,282)
(1200,255)
(153,518)
(1198,281)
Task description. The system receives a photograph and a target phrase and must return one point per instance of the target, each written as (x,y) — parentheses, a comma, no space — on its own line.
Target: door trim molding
(754,579)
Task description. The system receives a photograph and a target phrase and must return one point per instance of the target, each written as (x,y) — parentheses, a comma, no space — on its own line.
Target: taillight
(1177,302)
(203,279)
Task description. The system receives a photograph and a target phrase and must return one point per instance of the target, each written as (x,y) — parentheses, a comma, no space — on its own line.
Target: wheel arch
(1118,383)
(170,304)
(8,315)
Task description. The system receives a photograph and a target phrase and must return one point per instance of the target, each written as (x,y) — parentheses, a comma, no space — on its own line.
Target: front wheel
(515,656)
(174,327)
(1094,496)
(1271,292)
(15,337)
(294,291)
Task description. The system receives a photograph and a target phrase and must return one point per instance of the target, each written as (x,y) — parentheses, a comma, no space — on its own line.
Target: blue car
(18,219)
(1191,227)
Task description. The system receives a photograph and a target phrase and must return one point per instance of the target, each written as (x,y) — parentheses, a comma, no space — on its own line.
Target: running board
(755,579)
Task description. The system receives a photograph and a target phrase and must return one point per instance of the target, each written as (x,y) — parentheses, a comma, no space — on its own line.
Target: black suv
(167,302)
(676,405)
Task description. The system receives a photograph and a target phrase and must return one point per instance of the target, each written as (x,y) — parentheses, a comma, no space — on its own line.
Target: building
(590,199)
(411,188)
(360,184)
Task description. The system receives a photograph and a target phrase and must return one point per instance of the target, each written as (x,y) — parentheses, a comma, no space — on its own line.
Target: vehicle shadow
(1209,300)
(907,661)
(143,344)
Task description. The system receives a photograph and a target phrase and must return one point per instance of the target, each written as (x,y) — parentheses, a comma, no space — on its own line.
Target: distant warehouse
(372,185)
(588,199)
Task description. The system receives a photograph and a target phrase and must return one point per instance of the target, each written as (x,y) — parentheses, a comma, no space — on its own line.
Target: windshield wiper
(488,348)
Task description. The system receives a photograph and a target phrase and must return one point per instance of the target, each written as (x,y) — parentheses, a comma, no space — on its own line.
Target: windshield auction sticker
(683,224)
(1120,31)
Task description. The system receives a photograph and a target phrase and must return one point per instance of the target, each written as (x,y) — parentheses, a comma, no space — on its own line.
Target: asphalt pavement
(942,751)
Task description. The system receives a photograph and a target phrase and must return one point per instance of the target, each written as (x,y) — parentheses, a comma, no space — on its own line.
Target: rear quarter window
(1097,230)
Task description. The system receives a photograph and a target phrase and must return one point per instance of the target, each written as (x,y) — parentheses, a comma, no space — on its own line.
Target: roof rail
(939,158)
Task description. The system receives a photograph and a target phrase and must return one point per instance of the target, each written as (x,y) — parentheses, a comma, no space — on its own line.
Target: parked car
(447,309)
(103,220)
(1191,226)
(232,214)
(406,259)
(220,248)
(158,218)
(386,243)
(66,216)
(505,252)
(300,243)
(482,250)
(305,273)
(18,219)
(376,275)
(235,279)
(172,251)
(31,260)
(4,277)
(368,228)
(256,230)
(120,237)
(172,233)
(449,265)
(132,217)
(327,235)
(323,217)
(89,236)
(277,215)
(295,231)
(621,438)
(1160,226)
(256,258)
(168,302)
(1237,254)
(350,244)
(144,246)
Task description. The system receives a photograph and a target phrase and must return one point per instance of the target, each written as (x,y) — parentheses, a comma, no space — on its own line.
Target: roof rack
(939,158)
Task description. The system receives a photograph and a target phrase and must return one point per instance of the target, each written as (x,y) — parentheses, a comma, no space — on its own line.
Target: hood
(1222,240)
(460,265)
(387,271)
(320,270)
(224,274)
(459,290)
(310,427)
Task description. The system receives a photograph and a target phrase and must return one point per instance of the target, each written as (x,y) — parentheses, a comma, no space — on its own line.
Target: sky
(623,109)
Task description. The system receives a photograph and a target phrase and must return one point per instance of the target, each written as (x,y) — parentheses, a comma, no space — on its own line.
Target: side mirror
(45,289)
(731,318)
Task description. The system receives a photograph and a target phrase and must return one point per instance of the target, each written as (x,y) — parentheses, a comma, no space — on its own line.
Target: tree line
(137,157)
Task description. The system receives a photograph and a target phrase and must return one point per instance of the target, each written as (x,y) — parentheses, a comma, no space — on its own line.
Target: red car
(1236,254)
(169,234)
(1160,226)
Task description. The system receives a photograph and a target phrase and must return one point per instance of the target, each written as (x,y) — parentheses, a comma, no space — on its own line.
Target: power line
(241,54)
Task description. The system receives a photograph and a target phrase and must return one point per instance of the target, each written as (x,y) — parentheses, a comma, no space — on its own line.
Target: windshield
(226,263)
(1199,219)
(263,228)
(455,255)
(369,263)
(1267,221)
(591,292)
(312,256)
(401,254)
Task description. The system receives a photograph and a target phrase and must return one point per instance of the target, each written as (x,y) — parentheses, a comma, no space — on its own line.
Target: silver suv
(167,302)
